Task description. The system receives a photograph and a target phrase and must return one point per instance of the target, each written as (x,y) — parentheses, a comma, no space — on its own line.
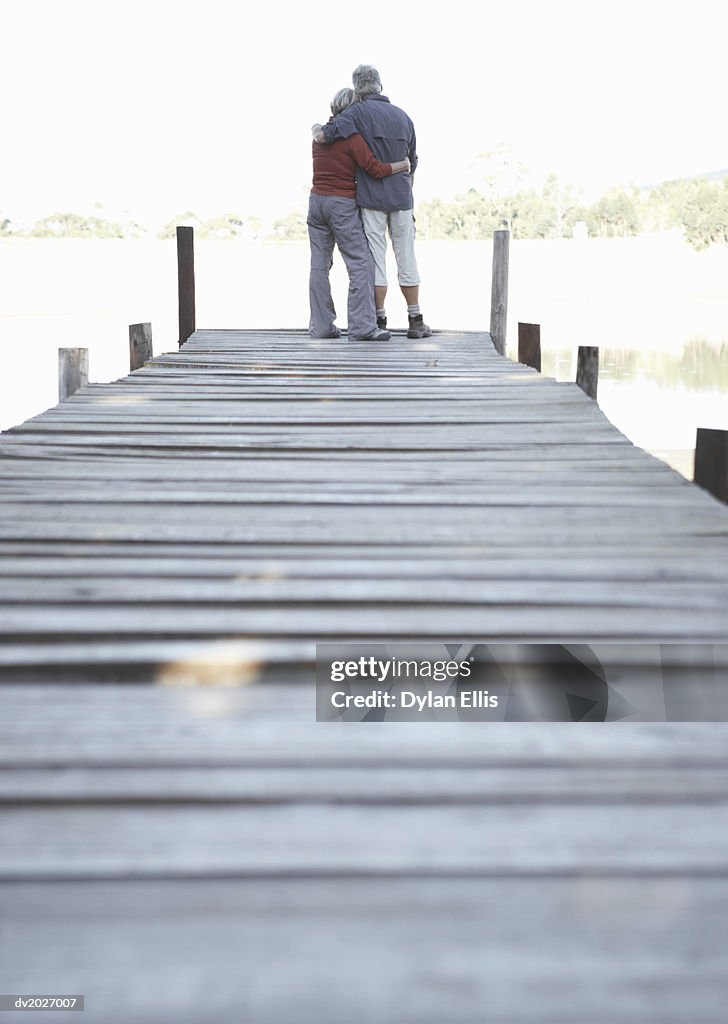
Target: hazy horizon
(156,218)
(160,108)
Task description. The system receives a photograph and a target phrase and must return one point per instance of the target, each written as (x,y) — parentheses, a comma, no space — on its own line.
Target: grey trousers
(336,220)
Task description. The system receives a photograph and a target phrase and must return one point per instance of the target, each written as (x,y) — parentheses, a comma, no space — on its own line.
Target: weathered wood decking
(205,521)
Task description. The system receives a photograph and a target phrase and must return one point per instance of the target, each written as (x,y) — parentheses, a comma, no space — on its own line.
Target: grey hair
(366,80)
(343,99)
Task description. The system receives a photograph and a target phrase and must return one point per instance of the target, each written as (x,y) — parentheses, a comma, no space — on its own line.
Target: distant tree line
(227,226)
(697,206)
(75,225)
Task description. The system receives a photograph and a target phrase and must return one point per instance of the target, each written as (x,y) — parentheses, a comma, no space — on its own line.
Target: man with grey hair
(386,203)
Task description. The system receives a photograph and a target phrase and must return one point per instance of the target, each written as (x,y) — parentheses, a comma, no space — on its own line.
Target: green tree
(696,205)
(253,226)
(664,205)
(133,229)
(530,216)
(75,225)
(291,228)
(562,207)
(188,219)
(705,214)
(469,216)
(228,226)
(615,214)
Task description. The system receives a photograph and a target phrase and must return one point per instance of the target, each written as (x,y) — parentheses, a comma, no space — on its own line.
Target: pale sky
(165,106)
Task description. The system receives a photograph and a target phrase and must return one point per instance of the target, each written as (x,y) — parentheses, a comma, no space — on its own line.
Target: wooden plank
(389,516)
(207,841)
(689,690)
(564,620)
(178,388)
(81,591)
(529,950)
(84,564)
(498,396)
(243,494)
(630,468)
(693,553)
(371,785)
(376,534)
(610,455)
(449,435)
(345,414)
(210,661)
(54,725)
(232,370)
(228,539)
(386,523)
(126,394)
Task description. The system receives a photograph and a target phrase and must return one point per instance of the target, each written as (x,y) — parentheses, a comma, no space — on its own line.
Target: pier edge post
(529,345)
(499,291)
(140,345)
(186,282)
(587,370)
(72,371)
(711,462)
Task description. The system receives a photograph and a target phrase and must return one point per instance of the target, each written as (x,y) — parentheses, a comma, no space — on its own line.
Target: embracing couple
(363,162)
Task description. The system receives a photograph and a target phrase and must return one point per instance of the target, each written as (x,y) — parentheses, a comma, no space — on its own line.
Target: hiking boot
(382,323)
(418,328)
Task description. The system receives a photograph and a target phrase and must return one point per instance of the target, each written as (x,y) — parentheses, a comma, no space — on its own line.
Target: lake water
(657,310)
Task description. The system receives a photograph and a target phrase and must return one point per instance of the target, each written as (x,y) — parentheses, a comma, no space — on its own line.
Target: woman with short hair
(334,219)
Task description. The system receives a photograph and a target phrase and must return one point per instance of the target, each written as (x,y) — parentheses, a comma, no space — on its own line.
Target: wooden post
(529,345)
(499,291)
(711,462)
(140,345)
(587,370)
(72,371)
(186,282)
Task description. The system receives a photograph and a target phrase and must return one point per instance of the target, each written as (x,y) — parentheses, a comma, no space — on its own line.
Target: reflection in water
(658,399)
(700,365)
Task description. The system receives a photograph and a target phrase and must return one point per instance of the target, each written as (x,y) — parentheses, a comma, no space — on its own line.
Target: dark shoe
(418,328)
(375,336)
(382,323)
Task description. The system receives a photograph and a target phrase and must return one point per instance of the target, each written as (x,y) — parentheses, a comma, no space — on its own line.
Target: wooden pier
(181,840)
